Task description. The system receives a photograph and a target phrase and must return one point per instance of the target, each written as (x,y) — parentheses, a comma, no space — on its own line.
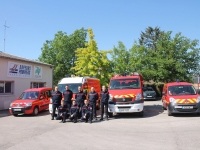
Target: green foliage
(174,58)
(92,62)
(120,59)
(60,52)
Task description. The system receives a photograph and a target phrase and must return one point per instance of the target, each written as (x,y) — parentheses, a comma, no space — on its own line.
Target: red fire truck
(126,94)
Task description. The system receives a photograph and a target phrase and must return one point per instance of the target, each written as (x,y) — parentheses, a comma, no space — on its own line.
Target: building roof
(9,56)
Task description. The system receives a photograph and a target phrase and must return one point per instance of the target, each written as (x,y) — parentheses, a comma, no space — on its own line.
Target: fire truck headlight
(138,96)
(172,100)
(198,99)
(28,104)
(110,97)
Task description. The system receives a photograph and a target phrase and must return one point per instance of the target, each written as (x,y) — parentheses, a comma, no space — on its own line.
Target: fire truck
(126,94)
(74,82)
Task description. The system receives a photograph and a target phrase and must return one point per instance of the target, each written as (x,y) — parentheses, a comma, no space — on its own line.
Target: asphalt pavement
(154,131)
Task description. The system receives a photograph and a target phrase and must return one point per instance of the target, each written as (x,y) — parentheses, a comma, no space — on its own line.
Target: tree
(60,52)
(175,58)
(150,37)
(92,62)
(120,59)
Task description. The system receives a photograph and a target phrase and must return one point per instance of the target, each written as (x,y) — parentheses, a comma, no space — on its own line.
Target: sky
(32,22)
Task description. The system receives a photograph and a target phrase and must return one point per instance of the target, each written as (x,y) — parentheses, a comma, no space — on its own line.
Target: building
(18,74)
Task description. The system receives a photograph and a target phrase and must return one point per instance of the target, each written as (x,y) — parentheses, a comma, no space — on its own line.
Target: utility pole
(5,35)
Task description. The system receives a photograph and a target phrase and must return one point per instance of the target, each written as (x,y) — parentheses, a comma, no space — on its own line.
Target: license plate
(178,106)
(187,107)
(149,96)
(17,109)
(123,110)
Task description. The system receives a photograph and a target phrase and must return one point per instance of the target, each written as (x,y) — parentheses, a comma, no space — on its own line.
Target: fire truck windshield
(131,83)
(72,87)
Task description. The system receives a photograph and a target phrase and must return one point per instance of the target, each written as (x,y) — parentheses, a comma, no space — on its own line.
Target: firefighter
(104,102)
(87,112)
(56,100)
(62,112)
(67,95)
(74,112)
(93,97)
(80,97)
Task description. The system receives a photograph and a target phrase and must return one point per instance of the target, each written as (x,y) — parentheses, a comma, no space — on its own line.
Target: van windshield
(72,87)
(132,83)
(29,95)
(181,90)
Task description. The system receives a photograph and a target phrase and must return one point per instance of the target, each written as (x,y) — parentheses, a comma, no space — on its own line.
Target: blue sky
(33,22)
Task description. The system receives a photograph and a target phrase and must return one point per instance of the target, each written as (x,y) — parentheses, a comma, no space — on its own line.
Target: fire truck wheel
(169,112)
(110,115)
(15,115)
(141,114)
(35,111)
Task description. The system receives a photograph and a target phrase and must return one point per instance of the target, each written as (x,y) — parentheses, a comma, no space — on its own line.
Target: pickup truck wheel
(35,111)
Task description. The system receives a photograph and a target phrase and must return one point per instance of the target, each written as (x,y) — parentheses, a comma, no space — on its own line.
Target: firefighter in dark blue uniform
(62,112)
(74,112)
(80,97)
(104,102)
(67,95)
(93,97)
(56,100)
(87,112)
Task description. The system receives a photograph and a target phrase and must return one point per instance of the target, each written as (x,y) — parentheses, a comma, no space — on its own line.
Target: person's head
(86,102)
(92,89)
(79,88)
(56,88)
(74,102)
(62,102)
(67,87)
(103,88)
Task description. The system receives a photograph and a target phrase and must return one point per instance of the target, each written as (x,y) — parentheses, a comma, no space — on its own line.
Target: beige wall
(20,84)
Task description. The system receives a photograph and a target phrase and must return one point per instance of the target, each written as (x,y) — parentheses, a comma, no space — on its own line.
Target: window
(132,83)
(48,93)
(6,87)
(37,84)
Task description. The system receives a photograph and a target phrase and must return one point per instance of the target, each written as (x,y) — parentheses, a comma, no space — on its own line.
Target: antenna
(5,35)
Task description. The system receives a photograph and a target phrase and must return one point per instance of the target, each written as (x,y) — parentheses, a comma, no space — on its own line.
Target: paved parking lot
(155,131)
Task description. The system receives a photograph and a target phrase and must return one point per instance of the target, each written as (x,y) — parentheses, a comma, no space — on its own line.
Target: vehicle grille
(123,99)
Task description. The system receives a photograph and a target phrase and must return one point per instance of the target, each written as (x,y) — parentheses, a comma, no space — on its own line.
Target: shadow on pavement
(186,115)
(41,113)
(4,113)
(149,111)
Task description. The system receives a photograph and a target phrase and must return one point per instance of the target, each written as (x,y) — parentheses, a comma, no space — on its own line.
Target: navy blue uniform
(80,97)
(74,111)
(87,110)
(56,101)
(68,94)
(93,97)
(62,113)
(104,102)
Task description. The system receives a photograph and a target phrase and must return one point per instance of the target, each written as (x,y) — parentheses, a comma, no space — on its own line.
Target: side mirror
(163,93)
(198,92)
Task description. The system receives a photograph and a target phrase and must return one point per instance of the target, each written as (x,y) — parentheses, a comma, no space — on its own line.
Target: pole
(198,82)
(5,35)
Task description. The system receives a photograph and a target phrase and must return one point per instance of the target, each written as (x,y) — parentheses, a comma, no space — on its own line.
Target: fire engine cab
(126,94)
